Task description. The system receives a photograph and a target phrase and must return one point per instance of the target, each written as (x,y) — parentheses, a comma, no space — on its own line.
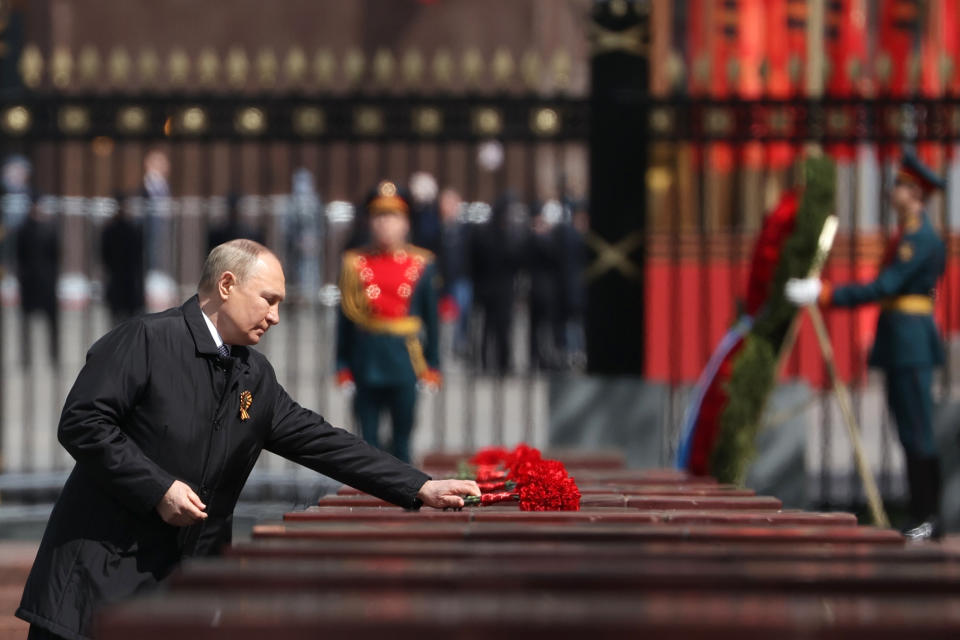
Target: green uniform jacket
(383,359)
(903,339)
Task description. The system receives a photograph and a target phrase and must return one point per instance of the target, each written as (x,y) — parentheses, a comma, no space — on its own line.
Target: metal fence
(698,236)
(293,170)
(472,408)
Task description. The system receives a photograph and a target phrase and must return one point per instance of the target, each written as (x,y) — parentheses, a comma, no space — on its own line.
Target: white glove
(803,291)
(427,388)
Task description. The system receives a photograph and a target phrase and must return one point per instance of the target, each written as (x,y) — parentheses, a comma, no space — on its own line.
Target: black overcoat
(38,264)
(121,247)
(154,403)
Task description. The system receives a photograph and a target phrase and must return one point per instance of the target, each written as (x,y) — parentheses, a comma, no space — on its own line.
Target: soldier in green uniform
(387,336)
(907,345)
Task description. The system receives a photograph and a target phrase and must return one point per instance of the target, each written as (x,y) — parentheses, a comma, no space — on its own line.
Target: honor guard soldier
(387,332)
(907,345)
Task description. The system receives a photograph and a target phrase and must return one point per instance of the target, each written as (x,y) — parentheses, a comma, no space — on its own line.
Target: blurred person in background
(573,290)
(304,233)
(233,227)
(121,249)
(38,267)
(156,195)
(426,227)
(542,261)
(455,266)
(160,286)
(387,334)
(14,206)
(494,260)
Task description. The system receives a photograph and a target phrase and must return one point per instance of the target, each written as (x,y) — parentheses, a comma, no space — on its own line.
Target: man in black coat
(233,228)
(166,421)
(494,258)
(121,248)
(543,260)
(38,267)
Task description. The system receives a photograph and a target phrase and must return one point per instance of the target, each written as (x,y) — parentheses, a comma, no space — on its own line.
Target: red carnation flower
(488,473)
(519,456)
(490,456)
(549,488)
(526,470)
(546,487)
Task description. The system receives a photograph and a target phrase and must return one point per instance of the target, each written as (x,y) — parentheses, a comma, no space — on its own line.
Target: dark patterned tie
(224,351)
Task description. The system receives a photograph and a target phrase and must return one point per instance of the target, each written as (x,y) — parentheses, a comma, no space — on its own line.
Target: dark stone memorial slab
(606,515)
(572,574)
(704,503)
(419,615)
(595,533)
(692,550)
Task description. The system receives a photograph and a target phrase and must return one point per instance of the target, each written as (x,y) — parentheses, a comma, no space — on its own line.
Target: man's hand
(180,506)
(441,494)
(803,291)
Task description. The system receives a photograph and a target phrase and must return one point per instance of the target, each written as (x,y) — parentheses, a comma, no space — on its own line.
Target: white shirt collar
(213,330)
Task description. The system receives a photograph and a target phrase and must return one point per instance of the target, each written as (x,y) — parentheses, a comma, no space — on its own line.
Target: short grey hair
(236,256)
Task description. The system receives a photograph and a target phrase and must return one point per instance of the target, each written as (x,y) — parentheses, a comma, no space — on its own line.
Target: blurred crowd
(500,263)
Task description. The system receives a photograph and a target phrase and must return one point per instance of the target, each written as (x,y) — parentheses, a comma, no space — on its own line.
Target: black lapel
(193,316)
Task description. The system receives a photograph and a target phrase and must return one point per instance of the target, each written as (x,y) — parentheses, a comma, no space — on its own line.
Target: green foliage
(816,205)
(750,384)
(754,368)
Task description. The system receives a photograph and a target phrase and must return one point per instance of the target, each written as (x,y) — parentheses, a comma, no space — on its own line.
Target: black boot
(914,491)
(925,485)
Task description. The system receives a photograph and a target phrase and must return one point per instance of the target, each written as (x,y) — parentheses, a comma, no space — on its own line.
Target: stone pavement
(15,561)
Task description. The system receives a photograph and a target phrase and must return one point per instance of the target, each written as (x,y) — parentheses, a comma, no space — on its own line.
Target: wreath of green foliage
(754,368)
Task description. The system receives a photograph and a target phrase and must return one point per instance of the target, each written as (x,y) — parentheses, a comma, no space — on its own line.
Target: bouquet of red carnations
(523,476)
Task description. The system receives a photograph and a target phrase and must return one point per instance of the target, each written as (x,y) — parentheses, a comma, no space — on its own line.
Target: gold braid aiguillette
(246,399)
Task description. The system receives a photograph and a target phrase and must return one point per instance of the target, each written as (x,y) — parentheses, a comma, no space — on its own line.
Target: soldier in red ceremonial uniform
(387,331)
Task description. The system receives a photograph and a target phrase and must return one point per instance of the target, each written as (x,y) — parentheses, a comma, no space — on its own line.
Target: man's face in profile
(251,306)
(904,194)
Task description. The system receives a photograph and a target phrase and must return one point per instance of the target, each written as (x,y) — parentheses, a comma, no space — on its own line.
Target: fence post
(3,463)
(618,164)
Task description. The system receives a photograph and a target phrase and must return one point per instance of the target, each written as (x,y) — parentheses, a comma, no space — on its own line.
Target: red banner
(846,49)
(899,29)
(786,22)
(934,57)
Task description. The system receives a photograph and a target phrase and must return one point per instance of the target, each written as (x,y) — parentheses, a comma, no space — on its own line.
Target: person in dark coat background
(158,213)
(165,421)
(121,249)
(454,265)
(574,256)
(38,267)
(494,257)
(426,227)
(542,260)
(233,228)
